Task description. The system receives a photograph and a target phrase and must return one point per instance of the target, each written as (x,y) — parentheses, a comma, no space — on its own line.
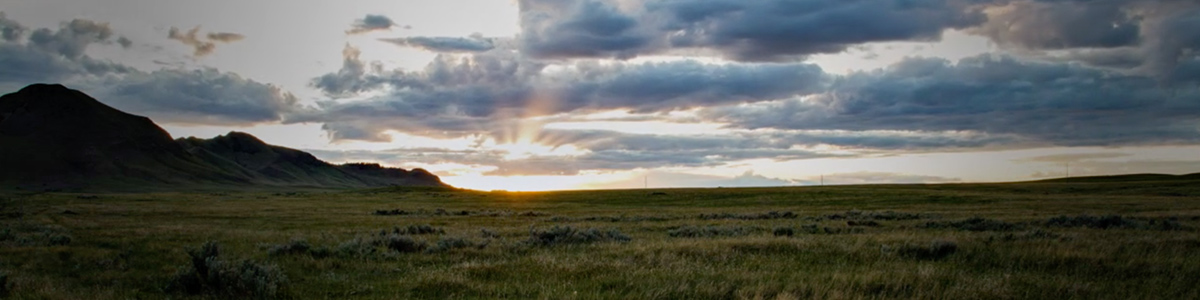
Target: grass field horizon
(1025,240)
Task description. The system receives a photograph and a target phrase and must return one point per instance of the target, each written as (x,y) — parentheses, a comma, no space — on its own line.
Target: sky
(599,94)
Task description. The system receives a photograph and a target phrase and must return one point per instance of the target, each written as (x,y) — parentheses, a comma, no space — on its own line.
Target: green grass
(1040,240)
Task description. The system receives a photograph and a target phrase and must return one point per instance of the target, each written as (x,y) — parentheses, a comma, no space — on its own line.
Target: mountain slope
(290,166)
(52,137)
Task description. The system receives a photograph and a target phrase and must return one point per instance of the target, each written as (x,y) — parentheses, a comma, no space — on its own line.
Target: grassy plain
(1047,240)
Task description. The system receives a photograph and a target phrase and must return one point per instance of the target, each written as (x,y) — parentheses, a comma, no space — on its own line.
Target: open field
(1051,240)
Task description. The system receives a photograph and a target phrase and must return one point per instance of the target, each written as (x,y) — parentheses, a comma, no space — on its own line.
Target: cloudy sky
(549,94)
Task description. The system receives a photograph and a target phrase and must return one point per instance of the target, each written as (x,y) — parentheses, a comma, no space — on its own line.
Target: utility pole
(1067,169)
(646,182)
(822,179)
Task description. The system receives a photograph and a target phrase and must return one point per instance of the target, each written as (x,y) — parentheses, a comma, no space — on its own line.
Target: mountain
(52,137)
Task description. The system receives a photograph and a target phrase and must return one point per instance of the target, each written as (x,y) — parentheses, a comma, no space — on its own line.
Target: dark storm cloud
(1042,103)
(777,29)
(202,45)
(204,96)
(1147,37)
(762,30)
(22,64)
(10,30)
(125,42)
(580,29)
(72,38)
(54,55)
(498,84)
(1176,44)
(1061,24)
(684,84)
(474,43)
(351,79)
(371,23)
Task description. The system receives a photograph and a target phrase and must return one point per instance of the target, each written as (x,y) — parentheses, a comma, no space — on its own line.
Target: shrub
(208,274)
(1114,221)
(710,231)
(7,235)
(881,216)
(320,252)
(974,224)
(294,247)
(816,229)
(357,247)
(614,218)
(58,239)
(402,244)
(761,216)
(934,251)
(1035,234)
(415,229)
(393,212)
(784,231)
(444,212)
(1102,222)
(567,235)
(488,234)
(447,244)
(1164,225)
(862,223)
(531,214)
(5,287)
(892,216)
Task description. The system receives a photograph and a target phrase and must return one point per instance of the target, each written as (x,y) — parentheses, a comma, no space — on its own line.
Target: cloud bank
(204,96)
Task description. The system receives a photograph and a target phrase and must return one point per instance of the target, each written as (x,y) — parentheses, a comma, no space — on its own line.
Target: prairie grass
(1108,240)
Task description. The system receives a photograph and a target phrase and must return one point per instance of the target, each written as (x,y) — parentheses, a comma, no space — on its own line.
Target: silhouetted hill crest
(53,137)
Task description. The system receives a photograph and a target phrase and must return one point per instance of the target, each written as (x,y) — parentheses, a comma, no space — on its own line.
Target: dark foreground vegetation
(1047,240)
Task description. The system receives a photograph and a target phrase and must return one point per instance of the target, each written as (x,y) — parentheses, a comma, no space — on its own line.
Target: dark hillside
(52,138)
